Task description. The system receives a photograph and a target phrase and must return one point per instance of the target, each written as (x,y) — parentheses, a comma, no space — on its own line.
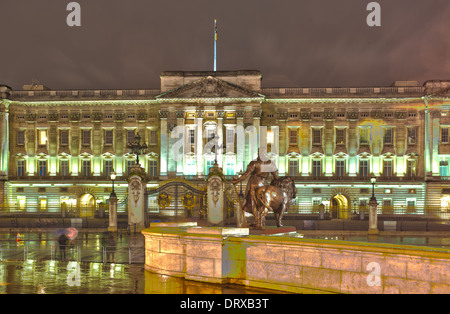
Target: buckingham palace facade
(59,147)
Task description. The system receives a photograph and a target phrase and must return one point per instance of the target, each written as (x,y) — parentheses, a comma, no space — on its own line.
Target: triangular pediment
(210,87)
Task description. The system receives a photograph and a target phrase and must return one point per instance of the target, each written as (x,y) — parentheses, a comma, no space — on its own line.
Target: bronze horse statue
(276,197)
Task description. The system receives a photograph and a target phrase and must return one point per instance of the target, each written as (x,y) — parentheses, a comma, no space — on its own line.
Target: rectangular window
(21,137)
(444,135)
(86,137)
(411,168)
(108,167)
(42,167)
(292,137)
(229,166)
(64,137)
(209,164)
(388,136)
(86,168)
(317,168)
(412,136)
(443,168)
(387,168)
(130,164)
(364,136)
(42,204)
(191,167)
(410,204)
(340,168)
(191,136)
(109,138)
(64,168)
(340,136)
(387,205)
(21,202)
(42,137)
(130,136)
(21,168)
(153,137)
(293,167)
(364,168)
(316,136)
(153,168)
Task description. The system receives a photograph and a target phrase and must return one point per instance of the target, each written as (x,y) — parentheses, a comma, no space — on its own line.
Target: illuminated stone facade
(58,147)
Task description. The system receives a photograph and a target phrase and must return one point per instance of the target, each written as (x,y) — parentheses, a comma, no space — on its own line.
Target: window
(130,164)
(340,136)
(191,168)
(210,134)
(209,162)
(86,168)
(340,168)
(130,136)
(64,137)
(42,204)
(21,137)
(21,202)
(153,137)
(42,137)
(388,136)
(317,168)
(64,168)
(292,137)
(191,136)
(387,168)
(410,204)
(86,137)
(316,136)
(364,168)
(387,204)
(42,167)
(444,135)
(153,168)
(229,166)
(108,167)
(411,168)
(21,168)
(109,138)
(443,168)
(412,136)
(363,136)
(293,167)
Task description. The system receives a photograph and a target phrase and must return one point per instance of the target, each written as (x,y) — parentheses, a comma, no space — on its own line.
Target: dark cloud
(127,44)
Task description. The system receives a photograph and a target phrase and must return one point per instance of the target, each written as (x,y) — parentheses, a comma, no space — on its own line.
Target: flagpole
(215,45)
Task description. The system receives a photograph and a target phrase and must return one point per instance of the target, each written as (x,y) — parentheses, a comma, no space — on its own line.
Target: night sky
(294,43)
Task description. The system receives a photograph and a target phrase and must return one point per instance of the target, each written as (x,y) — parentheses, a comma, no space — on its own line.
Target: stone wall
(295,264)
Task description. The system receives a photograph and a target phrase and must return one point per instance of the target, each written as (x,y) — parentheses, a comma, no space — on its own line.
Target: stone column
(4,139)
(199,142)
(112,213)
(373,217)
(435,138)
(215,196)
(220,115)
(240,140)
(328,145)
(352,144)
(137,186)
(282,143)
(256,123)
(180,124)
(163,114)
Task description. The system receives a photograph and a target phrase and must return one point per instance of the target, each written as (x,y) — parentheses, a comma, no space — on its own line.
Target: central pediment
(210,87)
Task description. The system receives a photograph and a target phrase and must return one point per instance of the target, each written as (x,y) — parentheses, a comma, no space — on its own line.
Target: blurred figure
(62,240)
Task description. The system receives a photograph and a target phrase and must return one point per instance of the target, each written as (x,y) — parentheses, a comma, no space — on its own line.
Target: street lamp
(137,148)
(373,219)
(113,178)
(373,180)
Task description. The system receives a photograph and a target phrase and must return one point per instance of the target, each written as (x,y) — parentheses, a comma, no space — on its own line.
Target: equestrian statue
(261,197)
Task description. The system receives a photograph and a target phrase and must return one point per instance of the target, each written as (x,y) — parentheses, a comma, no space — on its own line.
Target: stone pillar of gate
(112,213)
(137,193)
(215,196)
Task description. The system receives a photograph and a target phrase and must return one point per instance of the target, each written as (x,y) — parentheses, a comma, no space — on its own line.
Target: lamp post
(112,206)
(137,148)
(373,219)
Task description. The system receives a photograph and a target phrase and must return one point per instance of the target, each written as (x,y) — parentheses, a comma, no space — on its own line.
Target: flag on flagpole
(215,30)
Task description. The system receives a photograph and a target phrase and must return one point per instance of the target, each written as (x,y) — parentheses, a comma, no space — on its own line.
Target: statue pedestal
(112,214)
(272,230)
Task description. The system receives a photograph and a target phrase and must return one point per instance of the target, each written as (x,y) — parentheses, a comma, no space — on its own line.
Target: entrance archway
(339,207)
(87,205)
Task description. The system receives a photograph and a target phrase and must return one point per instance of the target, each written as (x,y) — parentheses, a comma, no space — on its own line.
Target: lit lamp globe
(113,178)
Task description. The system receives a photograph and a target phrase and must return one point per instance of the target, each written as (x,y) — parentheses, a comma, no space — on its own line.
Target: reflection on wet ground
(58,277)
